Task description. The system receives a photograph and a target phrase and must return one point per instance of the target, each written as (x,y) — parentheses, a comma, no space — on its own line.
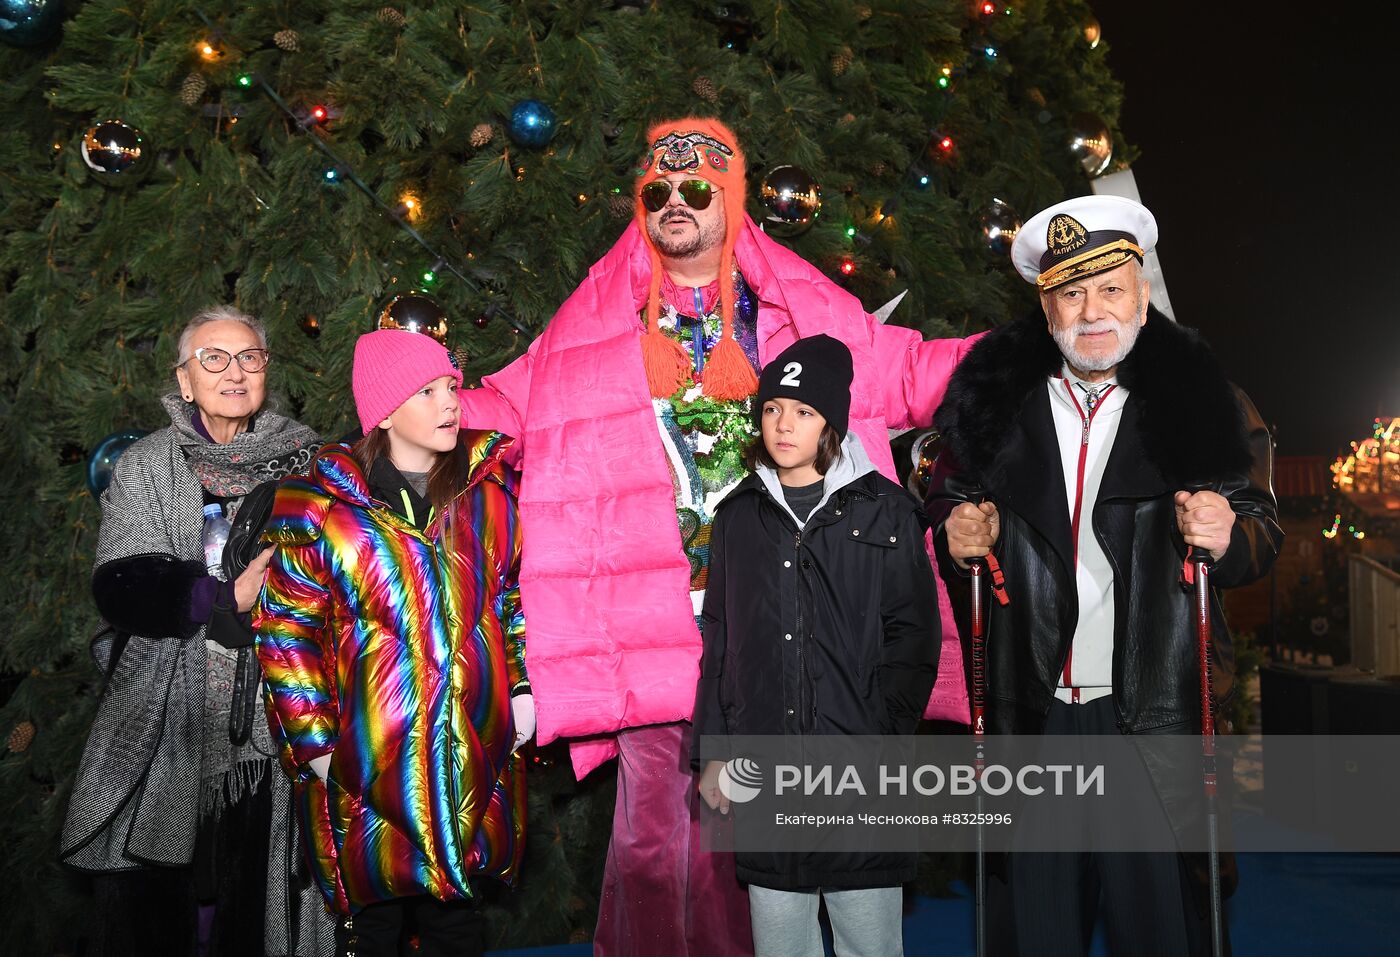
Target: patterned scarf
(274,446)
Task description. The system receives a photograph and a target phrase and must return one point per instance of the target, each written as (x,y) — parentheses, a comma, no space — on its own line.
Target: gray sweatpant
(864,923)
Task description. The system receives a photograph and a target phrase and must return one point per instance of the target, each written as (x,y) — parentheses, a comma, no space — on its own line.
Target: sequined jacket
(395,652)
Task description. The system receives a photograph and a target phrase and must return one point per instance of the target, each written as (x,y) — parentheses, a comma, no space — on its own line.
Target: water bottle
(215,535)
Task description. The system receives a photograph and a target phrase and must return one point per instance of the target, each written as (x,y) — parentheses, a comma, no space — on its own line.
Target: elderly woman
(178,806)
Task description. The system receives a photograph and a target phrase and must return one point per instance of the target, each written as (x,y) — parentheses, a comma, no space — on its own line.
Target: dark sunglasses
(697,193)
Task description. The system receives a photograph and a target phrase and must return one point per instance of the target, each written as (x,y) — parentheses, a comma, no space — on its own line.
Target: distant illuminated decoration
(1374,463)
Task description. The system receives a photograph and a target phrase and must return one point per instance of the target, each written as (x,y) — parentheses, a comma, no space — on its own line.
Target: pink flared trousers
(664,894)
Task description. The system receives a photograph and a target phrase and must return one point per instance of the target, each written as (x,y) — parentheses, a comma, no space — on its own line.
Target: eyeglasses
(697,193)
(217,360)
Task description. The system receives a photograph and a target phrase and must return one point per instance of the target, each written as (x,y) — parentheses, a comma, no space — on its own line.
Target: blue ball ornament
(104,459)
(29,23)
(531,123)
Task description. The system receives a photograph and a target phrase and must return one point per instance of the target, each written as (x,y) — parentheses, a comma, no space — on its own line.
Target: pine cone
(841,61)
(878,169)
(460,358)
(21,737)
(390,16)
(704,88)
(287,40)
(863,12)
(620,205)
(481,135)
(848,118)
(192,89)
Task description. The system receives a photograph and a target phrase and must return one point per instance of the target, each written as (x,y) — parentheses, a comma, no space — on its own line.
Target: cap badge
(1064,235)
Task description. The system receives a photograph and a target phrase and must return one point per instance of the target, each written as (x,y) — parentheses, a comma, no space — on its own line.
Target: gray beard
(1065,339)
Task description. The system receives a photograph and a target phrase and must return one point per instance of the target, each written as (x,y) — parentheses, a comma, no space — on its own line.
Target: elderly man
(1089,451)
(632,411)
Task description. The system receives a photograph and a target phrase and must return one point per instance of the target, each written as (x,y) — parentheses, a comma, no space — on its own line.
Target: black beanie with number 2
(816,371)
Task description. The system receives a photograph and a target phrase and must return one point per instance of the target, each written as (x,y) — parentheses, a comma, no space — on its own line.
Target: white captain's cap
(1080,237)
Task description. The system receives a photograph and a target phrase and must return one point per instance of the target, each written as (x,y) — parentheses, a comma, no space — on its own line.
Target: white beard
(1066,339)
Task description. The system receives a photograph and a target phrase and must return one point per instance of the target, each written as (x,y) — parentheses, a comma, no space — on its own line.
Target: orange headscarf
(710,150)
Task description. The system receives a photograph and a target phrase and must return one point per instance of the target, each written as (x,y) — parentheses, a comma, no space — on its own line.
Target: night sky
(1269,156)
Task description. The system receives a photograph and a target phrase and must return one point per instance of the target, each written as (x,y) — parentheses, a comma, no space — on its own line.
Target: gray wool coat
(136,800)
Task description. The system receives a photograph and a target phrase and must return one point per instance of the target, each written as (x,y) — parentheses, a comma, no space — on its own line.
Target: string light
(1335,530)
(850,232)
(848,266)
(409,207)
(208,50)
(988,8)
(990,52)
(332,175)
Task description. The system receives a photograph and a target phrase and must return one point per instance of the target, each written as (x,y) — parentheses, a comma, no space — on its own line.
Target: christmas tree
(333,166)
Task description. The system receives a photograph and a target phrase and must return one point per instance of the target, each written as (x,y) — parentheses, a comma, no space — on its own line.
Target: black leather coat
(831,630)
(1184,427)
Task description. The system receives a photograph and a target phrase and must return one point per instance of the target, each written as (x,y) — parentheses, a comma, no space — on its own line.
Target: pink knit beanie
(391,365)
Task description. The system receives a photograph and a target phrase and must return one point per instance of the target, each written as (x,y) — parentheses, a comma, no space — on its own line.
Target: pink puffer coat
(613,640)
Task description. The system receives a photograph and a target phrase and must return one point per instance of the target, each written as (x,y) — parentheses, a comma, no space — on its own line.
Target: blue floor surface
(1334,905)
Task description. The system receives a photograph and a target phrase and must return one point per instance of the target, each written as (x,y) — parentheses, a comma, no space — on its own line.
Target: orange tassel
(728,374)
(666,364)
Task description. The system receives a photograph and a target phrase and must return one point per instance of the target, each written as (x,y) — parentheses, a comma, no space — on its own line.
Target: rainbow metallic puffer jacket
(395,651)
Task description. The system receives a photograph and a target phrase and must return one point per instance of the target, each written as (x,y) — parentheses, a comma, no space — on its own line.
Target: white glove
(522,709)
(321,765)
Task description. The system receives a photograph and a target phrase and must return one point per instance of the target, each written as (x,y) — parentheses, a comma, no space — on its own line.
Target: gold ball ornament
(288,41)
(1093,33)
(21,737)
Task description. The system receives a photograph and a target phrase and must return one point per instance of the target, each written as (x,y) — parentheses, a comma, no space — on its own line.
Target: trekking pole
(1198,566)
(977,567)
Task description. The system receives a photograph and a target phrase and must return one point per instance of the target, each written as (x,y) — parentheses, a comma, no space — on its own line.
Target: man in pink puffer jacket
(631,410)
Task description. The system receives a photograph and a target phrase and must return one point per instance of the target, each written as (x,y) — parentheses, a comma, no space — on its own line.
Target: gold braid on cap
(1086,264)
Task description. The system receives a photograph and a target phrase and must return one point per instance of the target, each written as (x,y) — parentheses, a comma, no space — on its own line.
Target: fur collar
(1191,424)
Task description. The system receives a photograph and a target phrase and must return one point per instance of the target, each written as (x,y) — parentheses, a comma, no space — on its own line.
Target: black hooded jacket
(830,629)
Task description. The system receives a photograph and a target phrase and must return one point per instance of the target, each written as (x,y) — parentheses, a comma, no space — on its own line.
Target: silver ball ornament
(1090,142)
(791,199)
(116,152)
(414,312)
(1000,223)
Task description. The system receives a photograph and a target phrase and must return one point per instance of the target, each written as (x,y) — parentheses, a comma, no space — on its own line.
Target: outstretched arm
(915,371)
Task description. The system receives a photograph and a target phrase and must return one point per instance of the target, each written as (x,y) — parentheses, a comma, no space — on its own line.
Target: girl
(392,640)
(820,618)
